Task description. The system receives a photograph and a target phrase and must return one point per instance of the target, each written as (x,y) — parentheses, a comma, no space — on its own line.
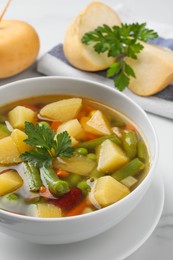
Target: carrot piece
(45,193)
(55,125)
(78,209)
(90,136)
(88,108)
(130,127)
(62,173)
(84,120)
(42,189)
(81,114)
(31,107)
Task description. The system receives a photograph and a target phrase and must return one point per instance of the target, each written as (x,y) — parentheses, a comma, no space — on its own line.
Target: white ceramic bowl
(71,229)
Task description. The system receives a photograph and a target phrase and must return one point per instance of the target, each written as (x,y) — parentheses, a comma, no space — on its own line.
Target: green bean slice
(130,169)
(33,177)
(129,140)
(56,186)
(142,151)
(94,143)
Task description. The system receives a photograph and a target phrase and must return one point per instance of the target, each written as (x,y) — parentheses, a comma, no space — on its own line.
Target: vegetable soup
(65,156)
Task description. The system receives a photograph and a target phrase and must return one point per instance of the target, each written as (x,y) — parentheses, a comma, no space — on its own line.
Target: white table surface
(50,18)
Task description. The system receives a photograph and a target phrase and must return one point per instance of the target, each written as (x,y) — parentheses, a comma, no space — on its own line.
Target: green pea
(92,156)
(43,123)
(84,187)
(82,151)
(74,179)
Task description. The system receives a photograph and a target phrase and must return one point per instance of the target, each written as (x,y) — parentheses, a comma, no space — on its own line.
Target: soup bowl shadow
(77,228)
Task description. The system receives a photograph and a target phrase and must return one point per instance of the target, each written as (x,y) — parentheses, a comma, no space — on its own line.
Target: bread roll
(153,69)
(80,55)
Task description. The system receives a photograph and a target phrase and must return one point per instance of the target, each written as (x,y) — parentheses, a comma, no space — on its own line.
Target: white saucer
(125,238)
(114,244)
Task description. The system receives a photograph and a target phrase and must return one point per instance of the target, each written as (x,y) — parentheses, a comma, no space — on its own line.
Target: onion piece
(45,118)
(9,126)
(92,199)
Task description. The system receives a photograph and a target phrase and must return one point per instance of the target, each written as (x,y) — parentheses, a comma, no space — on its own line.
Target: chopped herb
(46,145)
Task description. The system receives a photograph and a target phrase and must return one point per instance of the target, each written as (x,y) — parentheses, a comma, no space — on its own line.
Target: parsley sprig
(45,145)
(120,42)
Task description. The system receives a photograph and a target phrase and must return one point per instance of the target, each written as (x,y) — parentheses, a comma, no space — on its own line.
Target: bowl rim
(24,218)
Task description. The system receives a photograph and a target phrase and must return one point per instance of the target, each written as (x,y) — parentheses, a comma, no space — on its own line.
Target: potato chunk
(62,110)
(44,210)
(73,127)
(9,182)
(110,157)
(73,141)
(19,115)
(18,137)
(108,190)
(98,124)
(9,153)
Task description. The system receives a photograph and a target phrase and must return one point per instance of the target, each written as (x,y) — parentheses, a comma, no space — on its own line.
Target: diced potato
(9,153)
(18,138)
(108,190)
(62,110)
(79,165)
(19,115)
(98,124)
(110,157)
(73,127)
(44,210)
(83,122)
(9,182)
(73,141)
(87,210)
